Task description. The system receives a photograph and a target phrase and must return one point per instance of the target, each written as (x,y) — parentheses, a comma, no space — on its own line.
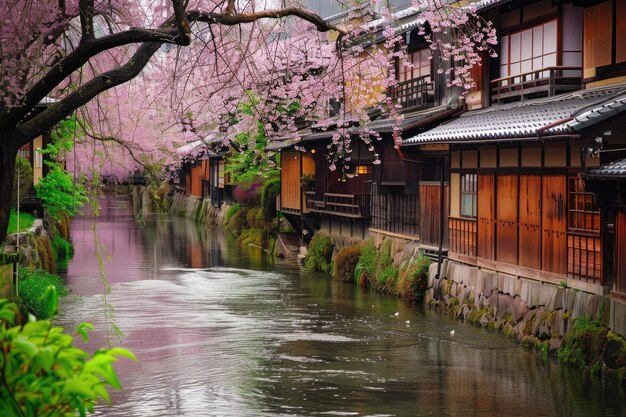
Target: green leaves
(43,374)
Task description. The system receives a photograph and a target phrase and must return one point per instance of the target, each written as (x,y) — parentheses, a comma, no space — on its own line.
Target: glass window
(583,210)
(529,50)
(468,195)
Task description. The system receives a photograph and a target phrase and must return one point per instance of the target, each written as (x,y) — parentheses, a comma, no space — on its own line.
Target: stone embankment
(199,210)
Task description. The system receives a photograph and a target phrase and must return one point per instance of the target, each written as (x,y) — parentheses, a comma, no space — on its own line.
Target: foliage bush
(345,263)
(365,269)
(43,374)
(59,194)
(248,194)
(23,170)
(386,279)
(582,346)
(63,250)
(26,221)
(320,253)
(269,191)
(231,210)
(413,280)
(32,287)
(237,221)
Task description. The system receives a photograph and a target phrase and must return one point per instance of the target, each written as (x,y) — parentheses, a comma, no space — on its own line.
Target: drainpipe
(441,166)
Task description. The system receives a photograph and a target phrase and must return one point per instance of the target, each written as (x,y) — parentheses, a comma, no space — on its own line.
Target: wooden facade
(294,165)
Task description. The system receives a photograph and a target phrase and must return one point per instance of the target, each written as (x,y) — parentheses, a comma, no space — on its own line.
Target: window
(583,210)
(420,61)
(361,170)
(529,50)
(468,195)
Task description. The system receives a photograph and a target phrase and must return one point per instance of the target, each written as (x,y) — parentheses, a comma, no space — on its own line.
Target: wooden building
(517,201)
(202,175)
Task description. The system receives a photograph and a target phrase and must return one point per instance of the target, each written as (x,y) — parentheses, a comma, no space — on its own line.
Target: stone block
(559,299)
(518,286)
(570,297)
(530,293)
(617,316)
(508,284)
(520,309)
(546,296)
(453,289)
(432,272)
(505,305)
(456,274)
(538,320)
(488,281)
(597,307)
(580,305)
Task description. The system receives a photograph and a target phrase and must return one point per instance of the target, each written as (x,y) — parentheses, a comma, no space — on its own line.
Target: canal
(220,330)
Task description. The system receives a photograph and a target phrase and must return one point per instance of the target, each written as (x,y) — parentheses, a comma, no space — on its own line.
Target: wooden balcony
(413,94)
(545,82)
(356,206)
(462,232)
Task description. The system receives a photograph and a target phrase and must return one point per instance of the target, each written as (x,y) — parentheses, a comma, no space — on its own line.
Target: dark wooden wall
(619,285)
(430,213)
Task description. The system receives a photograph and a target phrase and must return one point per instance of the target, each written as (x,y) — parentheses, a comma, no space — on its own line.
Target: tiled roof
(530,119)
(386,125)
(615,169)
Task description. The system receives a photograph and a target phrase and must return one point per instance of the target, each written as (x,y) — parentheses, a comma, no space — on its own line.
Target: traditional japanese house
(365,196)
(518,204)
(202,174)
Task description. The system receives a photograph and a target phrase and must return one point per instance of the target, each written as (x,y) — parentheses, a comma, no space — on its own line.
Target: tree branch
(57,112)
(85,9)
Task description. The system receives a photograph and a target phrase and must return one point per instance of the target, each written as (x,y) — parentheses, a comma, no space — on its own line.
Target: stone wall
(531,312)
(178,203)
(35,247)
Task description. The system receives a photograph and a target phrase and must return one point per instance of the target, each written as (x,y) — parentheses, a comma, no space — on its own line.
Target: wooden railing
(584,260)
(395,213)
(543,82)
(417,92)
(462,236)
(345,205)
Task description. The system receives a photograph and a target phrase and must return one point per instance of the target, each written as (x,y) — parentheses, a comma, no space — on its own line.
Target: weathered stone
(508,283)
(617,316)
(453,289)
(488,281)
(482,301)
(597,307)
(530,293)
(428,297)
(554,345)
(546,296)
(519,308)
(543,333)
(492,300)
(537,320)
(505,305)
(559,299)
(561,322)
(580,305)
(570,297)
(462,295)
(518,286)
(432,273)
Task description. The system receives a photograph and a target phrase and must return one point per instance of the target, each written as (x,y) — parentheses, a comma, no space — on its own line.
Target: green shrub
(345,263)
(268,193)
(26,221)
(63,250)
(231,211)
(583,345)
(41,373)
(320,253)
(365,269)
(32,287)
(238,221)
(59,192)
(413,280)
(386,279)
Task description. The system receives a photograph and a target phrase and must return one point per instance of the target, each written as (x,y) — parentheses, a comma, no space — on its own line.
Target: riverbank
(577,326)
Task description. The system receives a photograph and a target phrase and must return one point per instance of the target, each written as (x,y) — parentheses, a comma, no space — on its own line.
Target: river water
(220,330)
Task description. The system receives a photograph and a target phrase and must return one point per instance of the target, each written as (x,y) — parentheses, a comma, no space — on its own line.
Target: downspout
(441,204)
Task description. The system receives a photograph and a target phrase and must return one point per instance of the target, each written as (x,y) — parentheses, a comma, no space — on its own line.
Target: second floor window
(529,50)
(420,61)
(468,195)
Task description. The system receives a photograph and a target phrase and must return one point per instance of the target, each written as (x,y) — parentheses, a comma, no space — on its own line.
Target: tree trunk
(8,153)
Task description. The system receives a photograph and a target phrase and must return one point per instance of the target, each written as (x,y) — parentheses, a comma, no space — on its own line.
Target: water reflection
(220,331)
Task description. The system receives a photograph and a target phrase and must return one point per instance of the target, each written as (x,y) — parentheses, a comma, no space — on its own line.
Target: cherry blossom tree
(148,76)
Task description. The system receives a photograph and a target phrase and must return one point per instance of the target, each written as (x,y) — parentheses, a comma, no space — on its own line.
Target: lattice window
(583,210)
(420,66)
(468,195)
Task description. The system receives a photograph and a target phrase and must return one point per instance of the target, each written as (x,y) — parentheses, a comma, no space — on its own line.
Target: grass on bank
(32,289)
(26,221)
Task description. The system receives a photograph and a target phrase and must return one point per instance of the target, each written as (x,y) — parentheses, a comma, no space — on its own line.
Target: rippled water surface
(220,331)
